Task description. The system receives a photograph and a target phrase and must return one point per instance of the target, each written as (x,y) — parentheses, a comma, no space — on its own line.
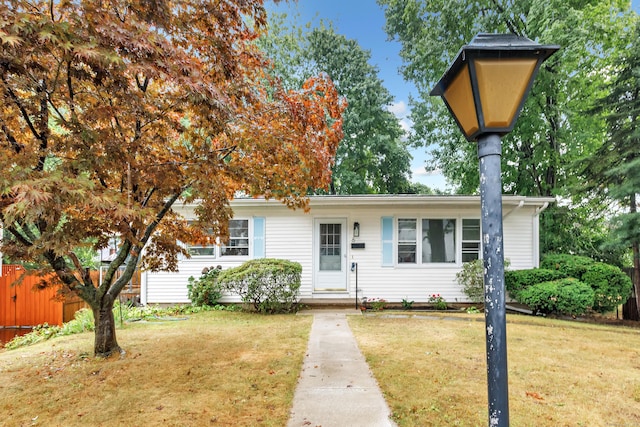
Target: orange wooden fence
(24,305)
(21,304)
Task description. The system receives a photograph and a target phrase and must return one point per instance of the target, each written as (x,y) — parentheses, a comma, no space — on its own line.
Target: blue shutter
(258,237)
(387,241)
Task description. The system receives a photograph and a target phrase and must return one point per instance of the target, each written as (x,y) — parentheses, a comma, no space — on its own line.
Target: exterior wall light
(484,89)
(356,229)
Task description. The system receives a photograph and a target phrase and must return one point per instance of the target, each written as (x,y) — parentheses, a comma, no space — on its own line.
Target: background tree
(552,133)
(373,156)
(613,172)
(113,112)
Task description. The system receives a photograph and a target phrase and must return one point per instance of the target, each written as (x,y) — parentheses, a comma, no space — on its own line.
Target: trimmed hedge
(611,286)
(270,285)
(570,265)
(565,296)
(517,281)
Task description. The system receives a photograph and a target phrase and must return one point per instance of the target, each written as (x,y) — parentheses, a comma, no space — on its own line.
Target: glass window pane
(471,229)
(438,240)
(202,250)
(407,254)
(238,244)
(407,245)
(407,230)
(330,247)
(470,240)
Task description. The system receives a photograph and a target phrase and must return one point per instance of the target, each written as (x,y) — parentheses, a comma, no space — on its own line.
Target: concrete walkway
(336,387)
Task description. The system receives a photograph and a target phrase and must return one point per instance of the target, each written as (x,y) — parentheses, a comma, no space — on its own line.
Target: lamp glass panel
(502,84)
(460,99)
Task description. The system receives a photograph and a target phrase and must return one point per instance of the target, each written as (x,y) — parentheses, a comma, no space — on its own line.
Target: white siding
(413,282)
(289,235)
(518,239)
(171,287)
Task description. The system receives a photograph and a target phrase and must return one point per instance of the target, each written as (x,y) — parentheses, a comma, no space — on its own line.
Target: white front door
(330,256)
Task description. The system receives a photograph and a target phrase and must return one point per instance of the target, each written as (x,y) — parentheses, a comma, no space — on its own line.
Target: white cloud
(421,171)
(401,110)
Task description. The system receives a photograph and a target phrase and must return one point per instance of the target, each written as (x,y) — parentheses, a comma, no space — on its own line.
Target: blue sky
(363,20)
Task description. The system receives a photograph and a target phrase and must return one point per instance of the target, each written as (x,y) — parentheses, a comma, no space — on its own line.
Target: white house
(405,246)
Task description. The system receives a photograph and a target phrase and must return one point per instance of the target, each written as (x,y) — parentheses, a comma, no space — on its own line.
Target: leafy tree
(373,156)
(613,173)
(115,111)
(552,133)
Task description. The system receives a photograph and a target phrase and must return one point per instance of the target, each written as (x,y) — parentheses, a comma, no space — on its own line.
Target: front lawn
(432,370)
(214,368)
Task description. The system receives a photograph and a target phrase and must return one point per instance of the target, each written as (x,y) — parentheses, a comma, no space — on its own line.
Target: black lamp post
(485,89)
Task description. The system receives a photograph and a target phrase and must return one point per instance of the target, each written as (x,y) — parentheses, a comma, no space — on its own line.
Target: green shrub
(270,285)
(611,286)
(471,278)
(564,296)
(518,280)
(83,320)
(205,291)
(438,302)
(406,304)
(571,265)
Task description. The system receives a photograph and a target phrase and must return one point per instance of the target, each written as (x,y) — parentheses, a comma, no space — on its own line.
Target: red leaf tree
(113,111)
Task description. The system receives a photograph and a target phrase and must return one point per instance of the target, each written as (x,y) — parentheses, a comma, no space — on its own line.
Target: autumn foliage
(115,110)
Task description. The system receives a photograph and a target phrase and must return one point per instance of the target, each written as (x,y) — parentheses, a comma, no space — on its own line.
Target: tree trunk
(636,258)
(105,333)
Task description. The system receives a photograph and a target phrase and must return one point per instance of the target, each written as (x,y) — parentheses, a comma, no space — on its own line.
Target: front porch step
(328,302)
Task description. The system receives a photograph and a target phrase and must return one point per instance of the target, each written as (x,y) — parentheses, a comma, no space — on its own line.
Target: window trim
(418,218)
(463,241)
(218,246)
(223,246)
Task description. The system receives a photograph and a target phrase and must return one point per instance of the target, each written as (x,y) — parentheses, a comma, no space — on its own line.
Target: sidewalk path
(336,387)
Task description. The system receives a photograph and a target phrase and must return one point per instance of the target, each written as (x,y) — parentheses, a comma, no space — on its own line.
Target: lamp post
(484,89)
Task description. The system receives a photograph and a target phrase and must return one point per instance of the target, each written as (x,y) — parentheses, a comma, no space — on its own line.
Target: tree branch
(43,120)
(161,214)
(23,111)
(510,24)
(142,85)
(18,235)
(120,258)
(148,197)
(70,89)
(17,147)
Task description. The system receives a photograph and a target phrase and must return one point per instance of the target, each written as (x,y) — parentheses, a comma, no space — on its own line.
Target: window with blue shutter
(387,241)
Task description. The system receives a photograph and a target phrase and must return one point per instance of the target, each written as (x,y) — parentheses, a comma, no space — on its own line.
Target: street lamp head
(487,84)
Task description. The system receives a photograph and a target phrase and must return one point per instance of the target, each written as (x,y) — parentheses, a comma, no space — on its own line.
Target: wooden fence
(23,304)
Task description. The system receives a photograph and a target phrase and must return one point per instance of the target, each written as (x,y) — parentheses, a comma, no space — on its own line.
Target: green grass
(432,371)
(214,368)
(239,369)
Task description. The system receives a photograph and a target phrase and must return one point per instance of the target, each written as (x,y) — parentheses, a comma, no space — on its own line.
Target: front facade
(393,247)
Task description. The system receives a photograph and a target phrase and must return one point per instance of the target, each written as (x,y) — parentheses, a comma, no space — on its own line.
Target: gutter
(540,209)
(536,233)
(521,204)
